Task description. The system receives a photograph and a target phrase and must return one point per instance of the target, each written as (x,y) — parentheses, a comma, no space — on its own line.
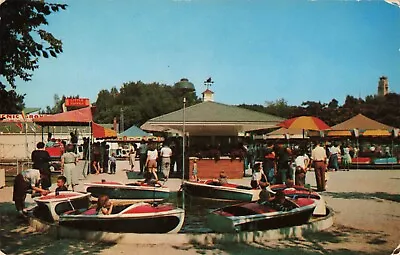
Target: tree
(279,108)
(11,102)
(20,30)
(139,102)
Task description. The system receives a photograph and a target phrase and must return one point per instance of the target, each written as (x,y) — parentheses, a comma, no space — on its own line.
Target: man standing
(27,180)
(318,157)
(301,164)
(283,161)
(142,155)
(166,154)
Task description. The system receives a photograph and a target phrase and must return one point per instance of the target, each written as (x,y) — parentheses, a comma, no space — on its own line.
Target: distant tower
(208,95)
(383,86)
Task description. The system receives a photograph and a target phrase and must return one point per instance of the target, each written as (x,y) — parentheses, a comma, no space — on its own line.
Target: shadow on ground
(16,237)
(325,242)
(359,195)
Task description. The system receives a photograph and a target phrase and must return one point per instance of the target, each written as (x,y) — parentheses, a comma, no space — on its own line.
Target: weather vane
(208,82)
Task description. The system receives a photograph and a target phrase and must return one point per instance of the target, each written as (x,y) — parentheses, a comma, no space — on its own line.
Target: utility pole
(121,121)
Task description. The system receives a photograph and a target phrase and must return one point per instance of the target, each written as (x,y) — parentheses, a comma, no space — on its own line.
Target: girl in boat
(104,205)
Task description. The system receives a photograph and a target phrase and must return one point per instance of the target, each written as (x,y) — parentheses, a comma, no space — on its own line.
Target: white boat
(52,205)
(134,218)
(254,216)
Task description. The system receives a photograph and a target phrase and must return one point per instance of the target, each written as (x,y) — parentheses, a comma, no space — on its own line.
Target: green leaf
(45,54)
(53,54)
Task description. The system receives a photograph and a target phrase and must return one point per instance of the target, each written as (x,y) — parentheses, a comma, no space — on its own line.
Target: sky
(254,50)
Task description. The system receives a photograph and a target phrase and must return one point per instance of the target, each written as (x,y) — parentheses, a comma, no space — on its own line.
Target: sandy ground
(367,222)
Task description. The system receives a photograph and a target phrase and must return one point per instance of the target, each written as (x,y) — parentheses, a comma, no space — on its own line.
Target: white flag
(393,2)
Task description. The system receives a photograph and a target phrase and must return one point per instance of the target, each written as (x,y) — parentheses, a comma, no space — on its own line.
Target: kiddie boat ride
(302,192)
(54,204)
(136,192)
(211,189)
(261,216)
(135,218)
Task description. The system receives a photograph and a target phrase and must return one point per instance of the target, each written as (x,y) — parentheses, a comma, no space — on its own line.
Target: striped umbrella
(305,123)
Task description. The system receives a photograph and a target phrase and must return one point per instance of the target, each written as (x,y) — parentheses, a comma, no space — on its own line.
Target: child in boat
(104,205)
(223,179)
(266,194)
(195,170)
(61,180)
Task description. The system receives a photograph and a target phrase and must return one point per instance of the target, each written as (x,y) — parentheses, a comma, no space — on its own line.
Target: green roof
(133,132)
(216,112)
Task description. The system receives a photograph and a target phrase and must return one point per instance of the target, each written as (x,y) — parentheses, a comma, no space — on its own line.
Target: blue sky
(255,50)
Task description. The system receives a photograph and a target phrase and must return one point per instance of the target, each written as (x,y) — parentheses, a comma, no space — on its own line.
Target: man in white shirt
(318,157)
(301,164)
(166,154)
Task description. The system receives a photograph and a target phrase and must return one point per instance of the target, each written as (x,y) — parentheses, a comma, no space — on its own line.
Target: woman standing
(41,159)
(346,157)
(132,158)
(151,161)
(68,166)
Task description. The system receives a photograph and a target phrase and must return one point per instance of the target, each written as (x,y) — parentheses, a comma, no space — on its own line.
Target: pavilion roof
(361,122)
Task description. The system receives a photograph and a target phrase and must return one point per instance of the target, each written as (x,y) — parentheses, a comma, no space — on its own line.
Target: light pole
(184,86)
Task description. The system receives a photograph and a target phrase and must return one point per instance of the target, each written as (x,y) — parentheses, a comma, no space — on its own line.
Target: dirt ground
(367,222)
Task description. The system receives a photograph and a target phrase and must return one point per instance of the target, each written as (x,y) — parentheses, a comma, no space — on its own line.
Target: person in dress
(166,154)
(41,158)
(258,176)
(68,166)
(132,158)
(195,171)
(28,179)
(151,161)
(346,160)
(96,157)
(334,152)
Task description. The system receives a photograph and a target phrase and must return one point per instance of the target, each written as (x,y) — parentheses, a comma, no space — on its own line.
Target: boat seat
(91,211)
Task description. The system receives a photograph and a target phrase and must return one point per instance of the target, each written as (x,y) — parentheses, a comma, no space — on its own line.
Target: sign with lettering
(77,102)
(19,117)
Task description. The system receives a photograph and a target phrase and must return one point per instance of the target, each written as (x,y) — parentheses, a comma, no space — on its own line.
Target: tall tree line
(139,102)
(384,109)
